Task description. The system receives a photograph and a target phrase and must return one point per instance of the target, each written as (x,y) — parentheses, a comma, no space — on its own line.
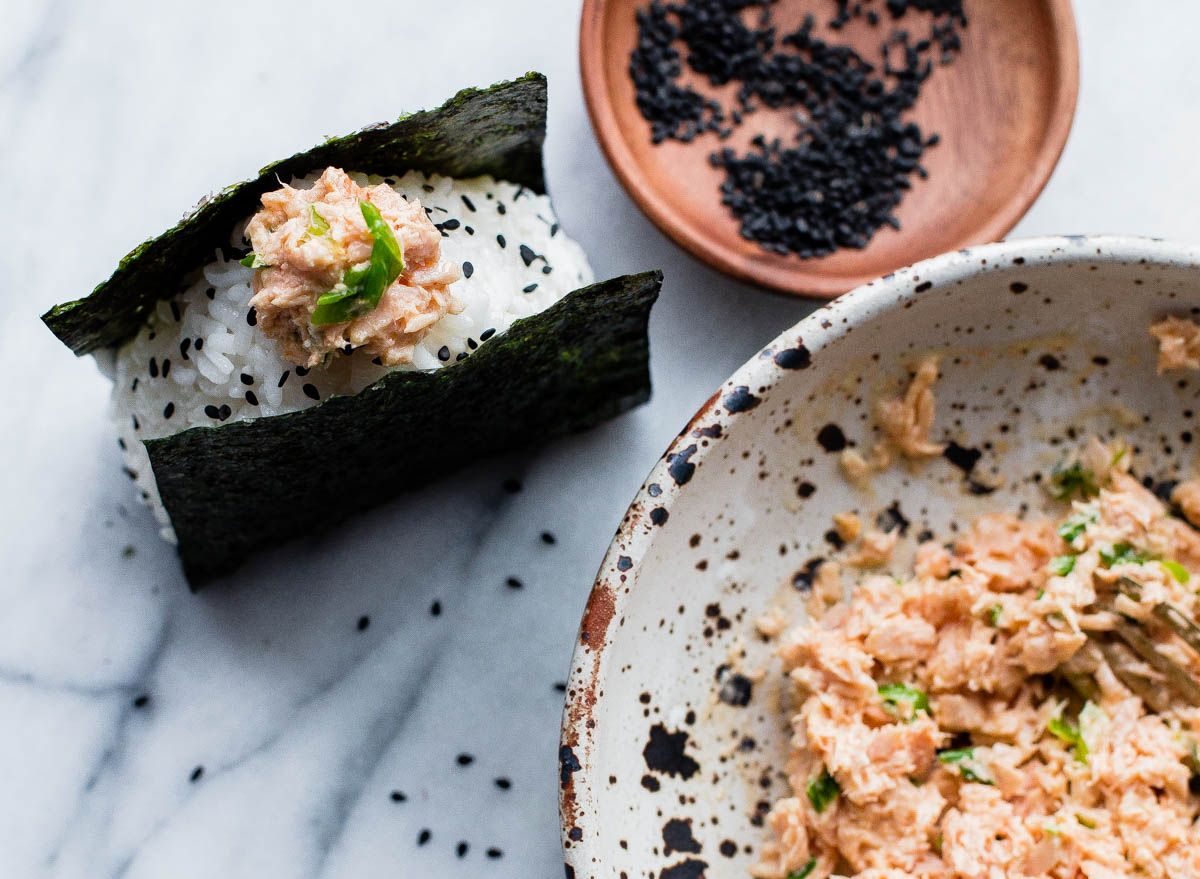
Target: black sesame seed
(153,368)
(435,609)
(468,269)
(252,398)
(530,288)
(283,378)
(121,443)
(210,293)
(527,255)
(500,240)
(141,701)
(461,849)
(470,230)
(546,270)
(548,538)
(501,208)
(196,774)
(246,379)
(398,796)
(302,371)
(199,343)
(503,783)
(225,411)
(470,205)
(471,343)
(487,334)
(423,837)
(443,354)
(310,391)
(848,168)
(554,230)
(136,424)
(451,224)
(363,622)
(462,355)
(560,686)
(252,317)
(175,311)
(212,411)
(495,853)
(168,410)
(513,583)
(183,348)
(464,759)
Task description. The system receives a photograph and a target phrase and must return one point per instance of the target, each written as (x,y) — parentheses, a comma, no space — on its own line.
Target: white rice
(200,361)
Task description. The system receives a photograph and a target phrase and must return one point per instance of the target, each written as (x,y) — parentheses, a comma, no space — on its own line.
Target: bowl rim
(797,280)
(609,594)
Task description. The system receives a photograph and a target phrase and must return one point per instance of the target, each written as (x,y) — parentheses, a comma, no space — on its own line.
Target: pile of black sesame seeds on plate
(854,154)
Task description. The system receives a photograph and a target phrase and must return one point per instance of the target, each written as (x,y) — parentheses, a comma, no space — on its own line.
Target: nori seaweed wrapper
(233,489)
(497,131)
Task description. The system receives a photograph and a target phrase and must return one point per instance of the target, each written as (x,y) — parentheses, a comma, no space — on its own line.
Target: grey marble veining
(117,687)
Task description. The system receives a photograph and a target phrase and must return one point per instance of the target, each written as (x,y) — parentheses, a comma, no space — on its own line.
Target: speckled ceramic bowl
(671,750)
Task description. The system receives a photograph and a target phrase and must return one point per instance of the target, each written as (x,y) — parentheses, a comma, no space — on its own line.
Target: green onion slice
(823,790)
(363,285)
(903,701)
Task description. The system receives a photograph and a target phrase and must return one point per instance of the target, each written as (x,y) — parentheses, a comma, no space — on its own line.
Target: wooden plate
(1003,110)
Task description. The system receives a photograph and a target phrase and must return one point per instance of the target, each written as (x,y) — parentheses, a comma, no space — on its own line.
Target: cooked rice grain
(199,361)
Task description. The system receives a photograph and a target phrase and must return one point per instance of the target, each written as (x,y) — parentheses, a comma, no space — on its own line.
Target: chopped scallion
(1176,570)
(1121,554)
(823,790)
(1062,565)
(1074,526)
(970,768)
(1070,481)
(903,701)
(317,225)
(363,285)
(803,872)
(1068,732)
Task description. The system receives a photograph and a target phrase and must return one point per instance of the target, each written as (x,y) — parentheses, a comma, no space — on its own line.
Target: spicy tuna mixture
(978,718)
(343,266)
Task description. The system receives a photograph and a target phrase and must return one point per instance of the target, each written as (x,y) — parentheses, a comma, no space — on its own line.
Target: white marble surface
(114,117)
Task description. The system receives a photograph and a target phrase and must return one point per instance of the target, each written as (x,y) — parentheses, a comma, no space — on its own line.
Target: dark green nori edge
(235,488)
(497,131)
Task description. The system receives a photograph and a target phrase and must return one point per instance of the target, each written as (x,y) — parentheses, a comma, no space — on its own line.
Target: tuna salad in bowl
(914,593)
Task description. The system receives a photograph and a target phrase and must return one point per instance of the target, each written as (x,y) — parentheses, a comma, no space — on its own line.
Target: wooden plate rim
(798,279)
